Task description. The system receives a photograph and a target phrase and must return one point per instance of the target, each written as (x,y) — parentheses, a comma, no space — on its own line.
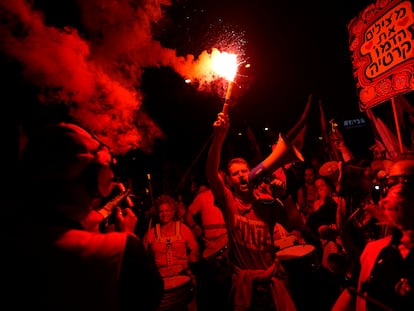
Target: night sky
(295,48)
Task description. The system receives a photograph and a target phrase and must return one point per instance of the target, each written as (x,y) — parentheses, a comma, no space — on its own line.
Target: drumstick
(376,302)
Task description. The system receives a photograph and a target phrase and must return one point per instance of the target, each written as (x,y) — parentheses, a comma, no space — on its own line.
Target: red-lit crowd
(341,239)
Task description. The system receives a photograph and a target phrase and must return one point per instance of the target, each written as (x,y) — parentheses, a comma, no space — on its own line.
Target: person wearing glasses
(63,261)
(386,277)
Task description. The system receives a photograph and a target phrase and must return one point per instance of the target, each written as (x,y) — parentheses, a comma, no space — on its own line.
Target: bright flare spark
(224,64)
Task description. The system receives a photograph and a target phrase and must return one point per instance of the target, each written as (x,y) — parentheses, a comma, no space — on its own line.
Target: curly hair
(165,198)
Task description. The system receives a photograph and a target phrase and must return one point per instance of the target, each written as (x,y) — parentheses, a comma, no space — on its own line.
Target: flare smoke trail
(95,67)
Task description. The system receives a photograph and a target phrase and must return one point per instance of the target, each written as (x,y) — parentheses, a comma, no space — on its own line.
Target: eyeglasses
(391,181)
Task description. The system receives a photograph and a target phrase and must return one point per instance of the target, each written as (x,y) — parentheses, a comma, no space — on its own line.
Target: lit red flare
(224,64)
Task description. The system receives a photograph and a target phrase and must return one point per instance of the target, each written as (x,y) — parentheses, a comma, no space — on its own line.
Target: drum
(178,292)
(299,258)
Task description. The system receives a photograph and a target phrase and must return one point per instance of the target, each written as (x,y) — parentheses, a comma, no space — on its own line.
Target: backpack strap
(178,230)
(158,232)
(176,236)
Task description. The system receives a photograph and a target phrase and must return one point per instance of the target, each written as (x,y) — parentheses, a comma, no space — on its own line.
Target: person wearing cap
(386,277)
(63,261)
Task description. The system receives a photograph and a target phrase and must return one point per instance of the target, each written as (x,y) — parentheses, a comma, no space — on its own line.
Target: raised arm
(221,127)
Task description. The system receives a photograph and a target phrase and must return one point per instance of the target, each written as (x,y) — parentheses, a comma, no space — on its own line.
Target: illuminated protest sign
(382,51)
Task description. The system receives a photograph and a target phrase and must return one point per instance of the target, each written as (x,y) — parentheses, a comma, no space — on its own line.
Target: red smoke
(98,73)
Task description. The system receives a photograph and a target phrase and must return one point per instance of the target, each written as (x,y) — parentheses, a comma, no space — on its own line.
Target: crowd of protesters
(299,236)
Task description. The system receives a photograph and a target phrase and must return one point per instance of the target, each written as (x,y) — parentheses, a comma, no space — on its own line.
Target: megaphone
(282,154)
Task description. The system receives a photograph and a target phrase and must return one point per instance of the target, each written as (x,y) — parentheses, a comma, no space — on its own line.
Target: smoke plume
(94,64)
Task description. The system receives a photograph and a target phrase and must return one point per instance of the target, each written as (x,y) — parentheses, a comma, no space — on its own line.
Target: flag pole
(397,124)
(184,177)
